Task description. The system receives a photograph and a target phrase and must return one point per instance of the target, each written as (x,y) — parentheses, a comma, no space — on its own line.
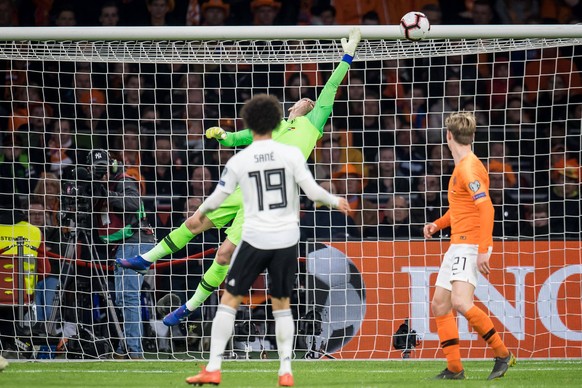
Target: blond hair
(462,126)
(50,198)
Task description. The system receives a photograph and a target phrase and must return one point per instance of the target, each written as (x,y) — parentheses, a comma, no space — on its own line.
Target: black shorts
(249,262)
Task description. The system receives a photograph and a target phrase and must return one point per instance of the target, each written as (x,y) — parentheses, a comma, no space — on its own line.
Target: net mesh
(149,102)
(258,51)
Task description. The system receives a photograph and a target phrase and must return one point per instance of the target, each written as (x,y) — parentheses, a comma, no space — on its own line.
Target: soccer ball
(414,25)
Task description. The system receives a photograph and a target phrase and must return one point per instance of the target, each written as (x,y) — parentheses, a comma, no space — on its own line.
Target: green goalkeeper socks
(210,282)
(173,242)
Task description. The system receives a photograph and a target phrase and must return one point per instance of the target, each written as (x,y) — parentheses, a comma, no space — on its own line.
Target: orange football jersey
(468,186)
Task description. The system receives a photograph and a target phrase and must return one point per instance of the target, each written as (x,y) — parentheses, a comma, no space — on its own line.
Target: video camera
(405,339)
(77,194)
(83,184)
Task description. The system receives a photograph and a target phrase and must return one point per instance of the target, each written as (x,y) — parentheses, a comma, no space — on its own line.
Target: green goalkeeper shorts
(234,231)
(230,210)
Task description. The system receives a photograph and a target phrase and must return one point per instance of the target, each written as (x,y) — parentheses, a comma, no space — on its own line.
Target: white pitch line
(85,371)
(389,371)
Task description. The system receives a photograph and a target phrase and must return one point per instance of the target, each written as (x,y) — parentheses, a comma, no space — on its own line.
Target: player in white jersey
(268,173)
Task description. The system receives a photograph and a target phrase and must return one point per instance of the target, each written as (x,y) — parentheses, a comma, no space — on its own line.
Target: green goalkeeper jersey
(302,132)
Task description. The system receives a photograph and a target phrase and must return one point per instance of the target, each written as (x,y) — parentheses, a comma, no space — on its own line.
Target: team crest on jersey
(474,186)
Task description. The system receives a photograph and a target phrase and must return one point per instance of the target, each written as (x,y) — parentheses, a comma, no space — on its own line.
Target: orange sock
(449,337)
(484,326)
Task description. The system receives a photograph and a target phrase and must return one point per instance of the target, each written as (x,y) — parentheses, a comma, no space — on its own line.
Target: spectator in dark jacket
(324,223)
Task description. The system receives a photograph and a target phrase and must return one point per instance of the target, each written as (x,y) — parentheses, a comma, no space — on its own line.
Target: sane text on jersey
(261,158)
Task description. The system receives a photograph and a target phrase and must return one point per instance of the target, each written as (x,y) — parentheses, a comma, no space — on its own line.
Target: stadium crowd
(386,129)
(387,124)
(382,148)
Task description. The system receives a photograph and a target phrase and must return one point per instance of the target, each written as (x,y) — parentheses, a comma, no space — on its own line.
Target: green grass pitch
(322,373)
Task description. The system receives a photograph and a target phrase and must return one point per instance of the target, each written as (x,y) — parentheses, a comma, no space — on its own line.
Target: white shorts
(459,264)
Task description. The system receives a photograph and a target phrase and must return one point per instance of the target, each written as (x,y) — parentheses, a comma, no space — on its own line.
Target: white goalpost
(315,43)
(147,94)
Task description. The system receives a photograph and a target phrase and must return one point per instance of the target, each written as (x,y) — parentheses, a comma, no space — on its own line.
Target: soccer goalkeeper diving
(303,128)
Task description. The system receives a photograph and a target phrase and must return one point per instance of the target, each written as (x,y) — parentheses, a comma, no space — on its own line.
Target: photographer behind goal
(120,220)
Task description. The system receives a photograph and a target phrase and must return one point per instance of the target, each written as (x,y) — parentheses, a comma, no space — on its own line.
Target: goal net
(364,284)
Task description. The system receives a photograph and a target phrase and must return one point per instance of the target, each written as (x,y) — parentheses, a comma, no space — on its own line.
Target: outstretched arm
(318,194)
(213,201)
(315,192)
(226,185)
(324,104)
(230,139)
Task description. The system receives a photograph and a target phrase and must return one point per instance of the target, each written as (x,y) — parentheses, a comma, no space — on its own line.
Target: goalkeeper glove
(350,45)
(216,133)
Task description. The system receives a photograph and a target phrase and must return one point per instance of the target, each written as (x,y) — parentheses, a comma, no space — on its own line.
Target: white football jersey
(268,173)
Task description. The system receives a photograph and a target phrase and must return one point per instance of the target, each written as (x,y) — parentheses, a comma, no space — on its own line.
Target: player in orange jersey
(470,217)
